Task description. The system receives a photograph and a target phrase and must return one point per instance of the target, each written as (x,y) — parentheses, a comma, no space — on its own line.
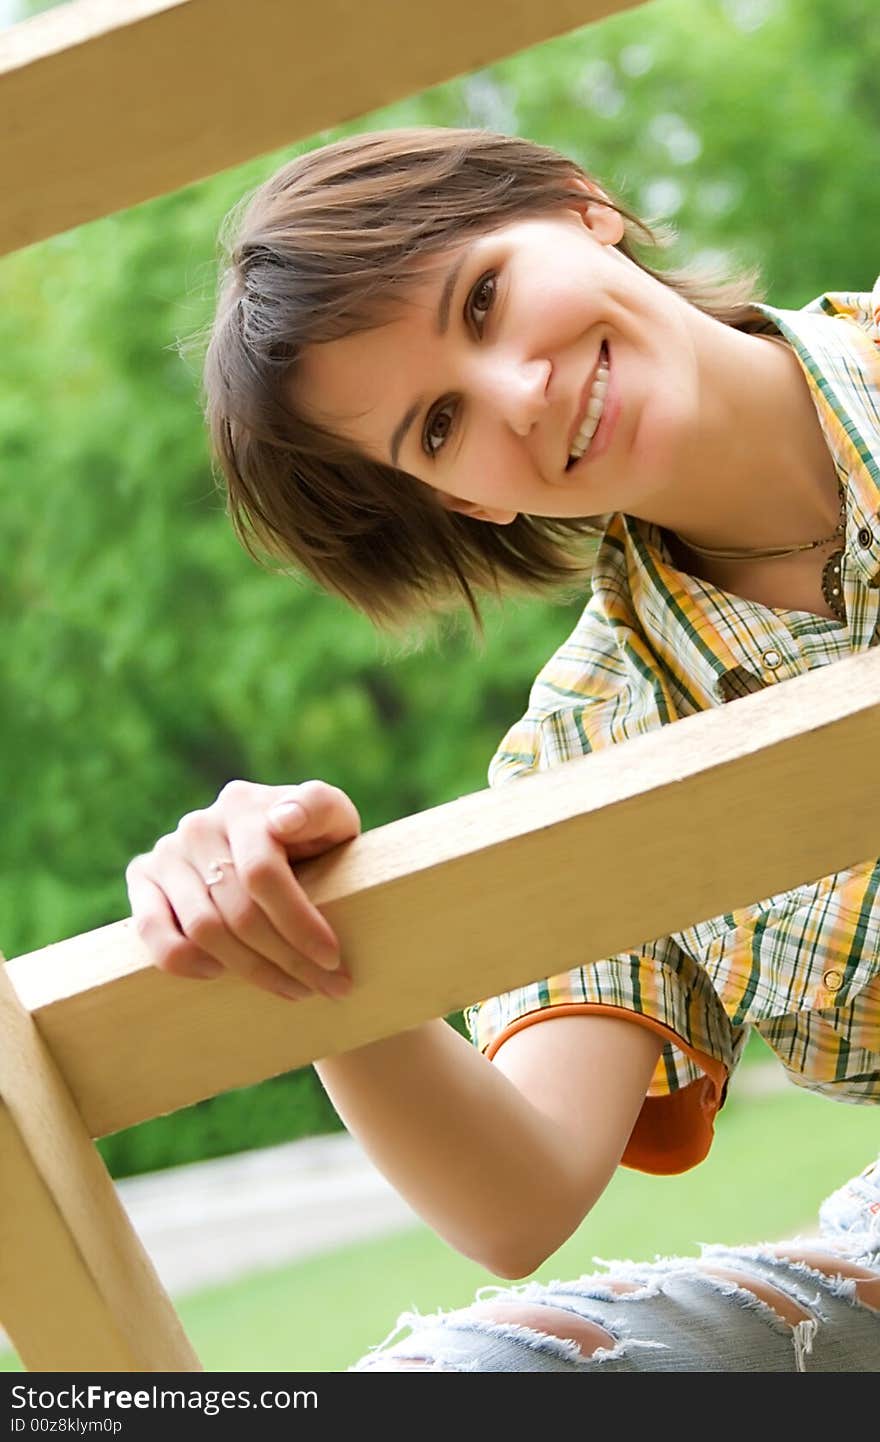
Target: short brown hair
(324,248)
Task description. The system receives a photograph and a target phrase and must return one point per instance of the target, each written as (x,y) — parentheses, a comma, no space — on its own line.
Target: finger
(156,925)
(242,911)
(201,923)
(173,952)
(263,868)
(312,817)
(331,815)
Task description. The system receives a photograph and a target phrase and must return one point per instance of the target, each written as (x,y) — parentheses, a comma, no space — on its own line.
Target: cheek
(492,467)
(497,484)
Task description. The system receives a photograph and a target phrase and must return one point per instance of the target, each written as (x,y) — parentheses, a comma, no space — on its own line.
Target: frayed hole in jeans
(785,1307)
(588,1336)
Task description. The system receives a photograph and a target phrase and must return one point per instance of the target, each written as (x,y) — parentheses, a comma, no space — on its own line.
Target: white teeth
(595,406)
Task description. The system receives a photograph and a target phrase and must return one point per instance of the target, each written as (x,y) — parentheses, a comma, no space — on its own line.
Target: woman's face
(479,386)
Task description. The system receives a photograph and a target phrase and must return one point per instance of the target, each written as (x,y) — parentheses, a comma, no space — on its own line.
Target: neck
(760,473)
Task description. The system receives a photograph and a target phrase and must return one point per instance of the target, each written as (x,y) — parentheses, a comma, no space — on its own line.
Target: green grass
(772,1163)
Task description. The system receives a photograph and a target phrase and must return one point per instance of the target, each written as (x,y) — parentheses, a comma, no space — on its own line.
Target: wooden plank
(490,892)
(105,104)
(78,1293)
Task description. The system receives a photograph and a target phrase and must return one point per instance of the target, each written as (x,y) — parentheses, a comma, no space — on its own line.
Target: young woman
(438,366)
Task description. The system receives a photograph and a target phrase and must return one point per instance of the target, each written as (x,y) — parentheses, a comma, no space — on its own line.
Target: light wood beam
(104,104)
(490,892)
(78,1293)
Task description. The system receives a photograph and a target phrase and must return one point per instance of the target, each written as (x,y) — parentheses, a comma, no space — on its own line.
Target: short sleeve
(659,987)
(581,702)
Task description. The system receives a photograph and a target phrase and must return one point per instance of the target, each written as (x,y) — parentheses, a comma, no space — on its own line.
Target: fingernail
(207,968)
(288,814)
(290,990)
(327,956)
(337,985)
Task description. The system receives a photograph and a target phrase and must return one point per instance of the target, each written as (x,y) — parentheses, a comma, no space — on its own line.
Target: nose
(517,390)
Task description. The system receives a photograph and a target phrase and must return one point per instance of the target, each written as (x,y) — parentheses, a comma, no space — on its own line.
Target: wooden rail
(77,1290)
(433,912)
(105,103)
(490,892)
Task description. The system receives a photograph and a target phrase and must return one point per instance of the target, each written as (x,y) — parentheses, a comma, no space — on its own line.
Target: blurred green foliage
(146,660)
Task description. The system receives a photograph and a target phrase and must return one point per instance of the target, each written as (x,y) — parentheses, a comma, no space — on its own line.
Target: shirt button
(771,660)
(833,980)
(865,537)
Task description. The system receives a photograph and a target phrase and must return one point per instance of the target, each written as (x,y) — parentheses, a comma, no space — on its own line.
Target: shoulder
(836,337)
(862,307)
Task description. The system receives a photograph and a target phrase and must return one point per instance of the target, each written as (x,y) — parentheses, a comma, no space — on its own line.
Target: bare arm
(503,1159)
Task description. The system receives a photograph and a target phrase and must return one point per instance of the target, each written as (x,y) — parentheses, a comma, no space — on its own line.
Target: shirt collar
(837,341)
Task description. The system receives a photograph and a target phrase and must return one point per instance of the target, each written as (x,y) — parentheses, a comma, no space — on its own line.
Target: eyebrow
(441,326)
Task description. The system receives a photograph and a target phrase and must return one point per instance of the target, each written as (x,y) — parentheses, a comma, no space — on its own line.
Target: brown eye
(445,430)
(479,303)
(483,296)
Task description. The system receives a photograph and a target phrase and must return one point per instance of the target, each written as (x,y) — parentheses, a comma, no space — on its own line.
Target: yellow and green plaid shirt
(654,644)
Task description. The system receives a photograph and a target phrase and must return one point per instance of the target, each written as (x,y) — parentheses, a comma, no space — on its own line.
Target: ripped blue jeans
(811,1304)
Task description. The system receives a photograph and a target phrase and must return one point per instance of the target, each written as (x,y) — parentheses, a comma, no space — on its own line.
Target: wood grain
(104,105)
(78,1293)
(489,892)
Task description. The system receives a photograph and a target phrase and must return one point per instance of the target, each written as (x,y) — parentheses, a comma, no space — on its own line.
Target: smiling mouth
(594,410)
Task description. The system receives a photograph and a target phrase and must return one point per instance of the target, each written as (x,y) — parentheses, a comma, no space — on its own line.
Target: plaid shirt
(655,644)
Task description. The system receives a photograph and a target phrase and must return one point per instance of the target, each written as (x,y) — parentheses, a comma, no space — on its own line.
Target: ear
(479,513)
(606,224)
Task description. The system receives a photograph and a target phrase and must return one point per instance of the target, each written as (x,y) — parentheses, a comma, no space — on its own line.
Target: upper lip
(582,405)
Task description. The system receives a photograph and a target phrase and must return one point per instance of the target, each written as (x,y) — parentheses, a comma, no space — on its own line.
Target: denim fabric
(680,1319)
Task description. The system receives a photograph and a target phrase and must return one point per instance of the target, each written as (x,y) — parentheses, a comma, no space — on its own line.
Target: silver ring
(215,873)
